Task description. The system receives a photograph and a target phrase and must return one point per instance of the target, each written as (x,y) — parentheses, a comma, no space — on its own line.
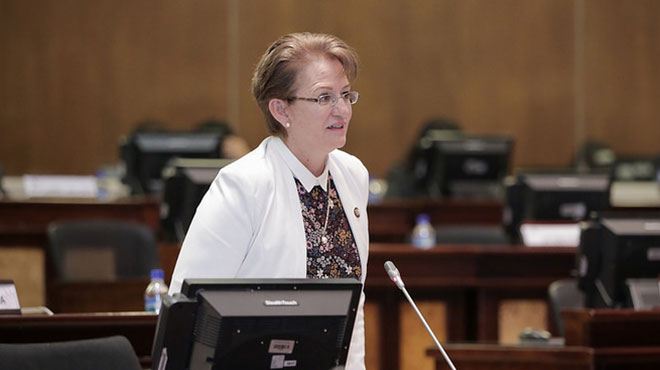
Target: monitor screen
(468,166)
(257,324)
(186,182)
(624,248)
(555,196)
(558,195)
(145,155)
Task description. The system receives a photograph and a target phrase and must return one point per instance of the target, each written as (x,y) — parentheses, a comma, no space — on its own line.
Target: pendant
(324,239)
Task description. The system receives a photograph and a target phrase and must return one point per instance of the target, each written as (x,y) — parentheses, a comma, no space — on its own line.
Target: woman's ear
(279,109)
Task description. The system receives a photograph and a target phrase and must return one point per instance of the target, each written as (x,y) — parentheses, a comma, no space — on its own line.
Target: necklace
(324,238)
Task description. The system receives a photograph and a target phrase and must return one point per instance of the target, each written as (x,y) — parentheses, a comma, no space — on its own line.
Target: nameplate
(550,235)
(8,298)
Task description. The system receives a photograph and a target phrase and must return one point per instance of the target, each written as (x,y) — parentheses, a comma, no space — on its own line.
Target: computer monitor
(145,154)
(557,196)
(468,166)
(186,182)
(636,168)
(257,324)
(614,252)
(554,196)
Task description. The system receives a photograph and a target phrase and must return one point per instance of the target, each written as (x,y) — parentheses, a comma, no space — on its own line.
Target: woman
(295,207)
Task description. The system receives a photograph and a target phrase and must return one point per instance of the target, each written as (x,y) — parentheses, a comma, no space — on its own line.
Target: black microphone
(393,273)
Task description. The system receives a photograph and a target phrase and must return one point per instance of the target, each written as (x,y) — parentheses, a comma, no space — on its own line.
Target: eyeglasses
(330,99)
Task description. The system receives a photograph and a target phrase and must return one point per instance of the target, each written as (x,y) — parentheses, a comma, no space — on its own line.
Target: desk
(478,276)
(138,327)
(392,220)
(496,357)
(595,339)
(25,222)
(125,295)
(470,279)
(24,240)
(611,328)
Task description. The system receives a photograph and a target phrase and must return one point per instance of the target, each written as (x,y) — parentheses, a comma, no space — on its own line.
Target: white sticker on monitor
(281,346)
(290,363)
(277,362)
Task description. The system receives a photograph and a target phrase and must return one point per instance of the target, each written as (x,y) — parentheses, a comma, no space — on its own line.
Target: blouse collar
(299,171)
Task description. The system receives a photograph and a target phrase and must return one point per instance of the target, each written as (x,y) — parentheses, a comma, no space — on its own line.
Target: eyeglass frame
(333,98)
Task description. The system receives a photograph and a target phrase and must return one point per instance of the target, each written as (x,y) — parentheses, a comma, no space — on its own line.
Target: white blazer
(249,224)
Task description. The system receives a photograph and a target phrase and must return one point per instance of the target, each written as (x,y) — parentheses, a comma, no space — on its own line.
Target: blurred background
(76,76)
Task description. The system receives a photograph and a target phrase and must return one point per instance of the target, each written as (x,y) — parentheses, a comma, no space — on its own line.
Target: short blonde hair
(275,74)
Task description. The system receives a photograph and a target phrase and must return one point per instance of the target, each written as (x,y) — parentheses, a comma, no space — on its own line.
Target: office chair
(564,294)
(101,250)
(110,353)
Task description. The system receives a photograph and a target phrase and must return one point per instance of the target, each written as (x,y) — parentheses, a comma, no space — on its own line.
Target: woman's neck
(314,162)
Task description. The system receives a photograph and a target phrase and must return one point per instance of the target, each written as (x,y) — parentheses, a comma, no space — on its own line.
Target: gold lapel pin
(356,211)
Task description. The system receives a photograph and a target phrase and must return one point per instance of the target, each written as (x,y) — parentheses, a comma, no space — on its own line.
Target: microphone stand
(393,272)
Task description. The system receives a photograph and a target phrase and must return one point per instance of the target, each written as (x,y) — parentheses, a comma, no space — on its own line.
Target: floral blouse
(331,248)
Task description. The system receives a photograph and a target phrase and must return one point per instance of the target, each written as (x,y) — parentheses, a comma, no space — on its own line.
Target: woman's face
(317,130)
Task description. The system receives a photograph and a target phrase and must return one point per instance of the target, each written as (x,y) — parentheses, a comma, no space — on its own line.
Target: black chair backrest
(102,250)
(108,353)
(564,294)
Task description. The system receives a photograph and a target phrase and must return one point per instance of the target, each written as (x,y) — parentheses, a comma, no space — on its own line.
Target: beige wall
(76,75)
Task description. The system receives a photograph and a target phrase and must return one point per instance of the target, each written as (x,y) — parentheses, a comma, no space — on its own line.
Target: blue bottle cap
(157,274)
(423,218)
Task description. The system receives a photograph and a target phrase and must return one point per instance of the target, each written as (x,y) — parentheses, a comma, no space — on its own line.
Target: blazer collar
(299,171)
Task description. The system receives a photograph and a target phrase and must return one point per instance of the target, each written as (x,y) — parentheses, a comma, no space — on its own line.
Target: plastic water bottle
(155,290)
(423,234)
(102,192)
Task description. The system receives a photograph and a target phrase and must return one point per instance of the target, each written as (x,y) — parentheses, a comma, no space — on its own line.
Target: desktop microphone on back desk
(393,273)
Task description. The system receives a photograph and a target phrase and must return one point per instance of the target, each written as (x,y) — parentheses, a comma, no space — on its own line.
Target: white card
(60,186)
(550,235)
(8,297)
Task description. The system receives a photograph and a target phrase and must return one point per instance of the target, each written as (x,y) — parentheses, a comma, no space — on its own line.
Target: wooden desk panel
(595,339)
(612,328)
(26,222)
(138,327)
(524,357)
(494,357)
(392,220)
(111,296)
(484,266)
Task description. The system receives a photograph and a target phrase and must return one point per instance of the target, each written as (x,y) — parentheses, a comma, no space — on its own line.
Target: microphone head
(393,273)
(391,270)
